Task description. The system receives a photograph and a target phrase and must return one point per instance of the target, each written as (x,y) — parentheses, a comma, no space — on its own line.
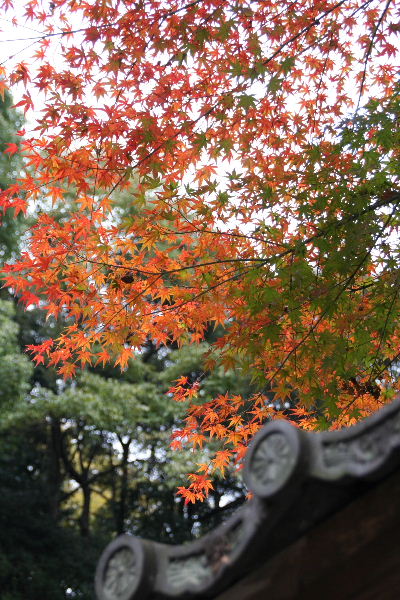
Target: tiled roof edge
(286,468)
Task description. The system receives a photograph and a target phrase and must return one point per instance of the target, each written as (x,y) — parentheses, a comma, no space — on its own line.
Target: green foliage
(11,228)
(15,368)
(38,558)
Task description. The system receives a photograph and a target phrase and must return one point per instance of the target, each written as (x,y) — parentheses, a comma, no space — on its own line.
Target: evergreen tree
(10,122)
(84,461)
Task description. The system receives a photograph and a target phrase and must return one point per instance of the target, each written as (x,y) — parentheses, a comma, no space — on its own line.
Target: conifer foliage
(264,136)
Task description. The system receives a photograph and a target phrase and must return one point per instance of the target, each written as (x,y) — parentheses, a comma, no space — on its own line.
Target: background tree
(82,462)
(10,163)
(88,462)
(38,557)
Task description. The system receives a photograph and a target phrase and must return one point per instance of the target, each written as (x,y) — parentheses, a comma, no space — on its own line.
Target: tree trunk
(55,477)
(122,508)
(84,519)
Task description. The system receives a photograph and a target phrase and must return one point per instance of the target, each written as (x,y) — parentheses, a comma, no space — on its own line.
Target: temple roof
(299,480)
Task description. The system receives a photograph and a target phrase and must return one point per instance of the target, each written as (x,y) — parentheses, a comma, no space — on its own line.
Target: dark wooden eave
(313,492)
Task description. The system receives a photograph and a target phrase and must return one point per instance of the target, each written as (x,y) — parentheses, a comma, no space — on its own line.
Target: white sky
(18,43)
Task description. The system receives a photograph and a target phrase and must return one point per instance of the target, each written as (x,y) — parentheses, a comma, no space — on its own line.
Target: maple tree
(263,141)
